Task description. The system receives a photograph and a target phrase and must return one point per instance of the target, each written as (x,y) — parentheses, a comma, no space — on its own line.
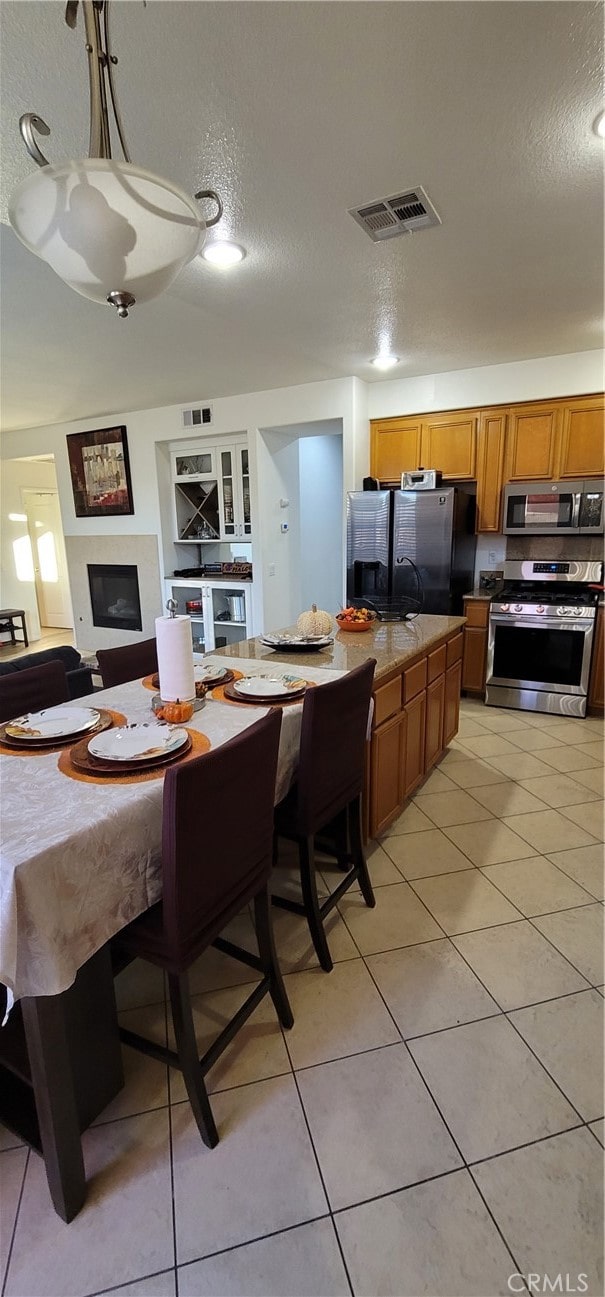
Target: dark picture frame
(100,472)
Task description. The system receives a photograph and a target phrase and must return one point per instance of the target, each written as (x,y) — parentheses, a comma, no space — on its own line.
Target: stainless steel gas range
(541,628)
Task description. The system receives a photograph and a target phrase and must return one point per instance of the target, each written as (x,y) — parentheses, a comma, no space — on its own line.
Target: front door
(48,550)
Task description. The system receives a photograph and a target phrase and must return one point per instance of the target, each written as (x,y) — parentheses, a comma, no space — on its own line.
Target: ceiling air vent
(196,417)
(387,217)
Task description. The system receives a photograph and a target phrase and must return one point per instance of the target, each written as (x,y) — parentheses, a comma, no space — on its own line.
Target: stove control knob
(504,607)
(518,607)
(540,608)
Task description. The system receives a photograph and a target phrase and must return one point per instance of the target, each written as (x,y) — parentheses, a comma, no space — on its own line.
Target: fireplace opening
(114,595)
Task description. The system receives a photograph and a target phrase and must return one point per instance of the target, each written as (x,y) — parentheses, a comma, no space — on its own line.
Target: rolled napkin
(175,658)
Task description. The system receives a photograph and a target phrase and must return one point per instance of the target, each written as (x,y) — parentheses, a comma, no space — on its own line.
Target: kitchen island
(417,686)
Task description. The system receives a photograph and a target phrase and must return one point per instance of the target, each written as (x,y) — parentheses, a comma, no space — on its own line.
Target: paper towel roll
(175,658)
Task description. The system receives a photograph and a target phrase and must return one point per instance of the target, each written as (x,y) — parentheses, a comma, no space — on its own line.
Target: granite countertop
(393,644)
(479,594)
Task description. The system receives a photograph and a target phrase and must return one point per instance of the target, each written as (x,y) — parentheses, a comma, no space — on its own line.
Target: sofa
(79,677)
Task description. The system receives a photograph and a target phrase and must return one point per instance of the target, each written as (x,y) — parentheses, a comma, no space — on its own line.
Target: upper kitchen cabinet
(449,443)
(490,463)
(532,441)
(394,448)
(582,441)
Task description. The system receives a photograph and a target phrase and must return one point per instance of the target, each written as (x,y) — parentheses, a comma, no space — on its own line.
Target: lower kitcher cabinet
(415,714)
(386,775)
(451,713)
(435,705)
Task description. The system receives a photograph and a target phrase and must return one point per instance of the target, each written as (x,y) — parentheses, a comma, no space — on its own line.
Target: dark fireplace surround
(114,595)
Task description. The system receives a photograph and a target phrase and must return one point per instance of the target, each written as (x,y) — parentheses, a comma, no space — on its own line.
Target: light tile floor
(433,1123)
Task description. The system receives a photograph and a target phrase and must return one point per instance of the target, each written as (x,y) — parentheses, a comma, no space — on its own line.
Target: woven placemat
(200,743)
(116,719)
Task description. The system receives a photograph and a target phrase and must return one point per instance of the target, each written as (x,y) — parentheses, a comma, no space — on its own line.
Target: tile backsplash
(555,547)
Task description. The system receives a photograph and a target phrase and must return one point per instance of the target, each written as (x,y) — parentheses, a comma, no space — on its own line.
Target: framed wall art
(100,472)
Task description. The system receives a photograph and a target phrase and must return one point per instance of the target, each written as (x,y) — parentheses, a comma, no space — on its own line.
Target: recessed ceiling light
(221,253)
(385,361)
(599,125)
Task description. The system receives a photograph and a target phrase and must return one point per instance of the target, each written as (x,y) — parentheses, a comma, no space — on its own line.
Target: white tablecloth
(79,861)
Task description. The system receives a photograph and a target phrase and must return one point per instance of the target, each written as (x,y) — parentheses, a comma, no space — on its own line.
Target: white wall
(339,399)
(14,591)
(523,380)
(321,512)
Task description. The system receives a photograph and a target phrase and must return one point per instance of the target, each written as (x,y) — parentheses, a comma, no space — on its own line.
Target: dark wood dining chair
(131,662)
(323,807)
(31,690)
(208,875)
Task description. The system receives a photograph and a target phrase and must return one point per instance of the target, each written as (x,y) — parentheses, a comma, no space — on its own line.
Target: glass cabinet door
(194,464)
(244,468)
(228,615)
(228,488)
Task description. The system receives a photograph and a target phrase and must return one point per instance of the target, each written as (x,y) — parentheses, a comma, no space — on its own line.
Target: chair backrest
(217,834)
(128,663)
(332,747)
(31,690)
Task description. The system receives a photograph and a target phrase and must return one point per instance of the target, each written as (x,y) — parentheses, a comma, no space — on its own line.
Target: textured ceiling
(296,112)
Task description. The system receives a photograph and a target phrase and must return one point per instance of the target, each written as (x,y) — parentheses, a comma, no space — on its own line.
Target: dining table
(80,859)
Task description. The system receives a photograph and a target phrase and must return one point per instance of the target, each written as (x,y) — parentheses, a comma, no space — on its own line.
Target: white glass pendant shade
(107,227)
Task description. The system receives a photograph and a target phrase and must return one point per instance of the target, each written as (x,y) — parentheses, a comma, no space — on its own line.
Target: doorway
(301,469)
(48,554)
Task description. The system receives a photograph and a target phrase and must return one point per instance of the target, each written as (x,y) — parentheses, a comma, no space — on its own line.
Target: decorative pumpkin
(176,712)
(314,622)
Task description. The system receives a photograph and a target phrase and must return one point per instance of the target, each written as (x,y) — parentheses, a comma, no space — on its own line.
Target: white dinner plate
(204,673)
(269,686)
(297,641)
(144,742)
(53,723)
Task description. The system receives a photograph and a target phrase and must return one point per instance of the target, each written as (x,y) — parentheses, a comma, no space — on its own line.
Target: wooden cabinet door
(532,441)
(474,660)
(449,443)
(490,468)
(451,714)
(394,448)
(415,713)
(596,686)
(387,772)
(435,703)
(582,438)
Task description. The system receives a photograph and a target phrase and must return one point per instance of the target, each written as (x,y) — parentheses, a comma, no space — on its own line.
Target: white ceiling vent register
(388,217)
(194,418)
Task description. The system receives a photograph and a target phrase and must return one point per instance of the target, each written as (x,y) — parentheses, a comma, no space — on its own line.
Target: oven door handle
(575,512)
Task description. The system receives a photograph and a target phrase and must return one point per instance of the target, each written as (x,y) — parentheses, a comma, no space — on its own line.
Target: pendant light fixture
(112,231)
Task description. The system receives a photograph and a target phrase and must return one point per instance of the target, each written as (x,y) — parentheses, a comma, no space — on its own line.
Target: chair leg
(357,851)
(306,857)
(268,957)
(182,1020)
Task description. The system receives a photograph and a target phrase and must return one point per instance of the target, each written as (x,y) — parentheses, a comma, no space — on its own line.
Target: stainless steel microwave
(554,508)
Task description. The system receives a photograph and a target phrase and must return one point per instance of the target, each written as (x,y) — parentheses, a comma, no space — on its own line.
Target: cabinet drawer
(387,701)
(454,650)
(414,680)
(476,612)
(436,663)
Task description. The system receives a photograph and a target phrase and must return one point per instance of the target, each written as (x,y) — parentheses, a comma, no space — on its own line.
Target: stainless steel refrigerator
(435,529)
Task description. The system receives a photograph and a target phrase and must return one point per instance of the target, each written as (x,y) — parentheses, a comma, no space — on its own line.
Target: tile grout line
(505,1013)
(14,1229)
(319,1169)
(445,1123)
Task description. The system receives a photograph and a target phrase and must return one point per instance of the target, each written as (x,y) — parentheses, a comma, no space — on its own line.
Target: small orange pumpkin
(176,712)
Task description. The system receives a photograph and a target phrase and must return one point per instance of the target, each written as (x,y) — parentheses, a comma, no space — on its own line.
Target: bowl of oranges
(355,619)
